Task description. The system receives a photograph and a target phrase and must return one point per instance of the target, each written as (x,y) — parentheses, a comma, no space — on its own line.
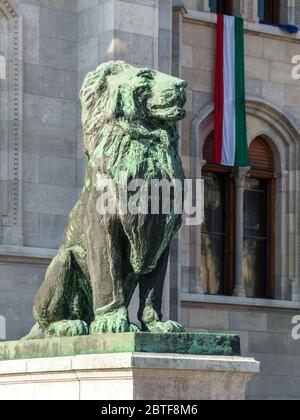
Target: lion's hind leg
(54,302)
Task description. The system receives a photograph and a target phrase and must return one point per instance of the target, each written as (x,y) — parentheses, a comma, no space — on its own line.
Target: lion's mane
(120,136)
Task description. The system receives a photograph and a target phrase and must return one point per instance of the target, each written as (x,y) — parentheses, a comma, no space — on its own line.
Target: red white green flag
(231,146)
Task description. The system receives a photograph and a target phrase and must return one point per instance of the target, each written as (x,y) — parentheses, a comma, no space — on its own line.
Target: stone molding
(26,255)
(8,8)
(251,27)
(227,302)
(178,6)
(128,376)
(248,10)
(288,129)
(12,219)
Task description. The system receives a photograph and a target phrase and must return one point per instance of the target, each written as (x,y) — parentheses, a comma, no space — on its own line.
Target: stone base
(185,343)
(127,376)
(126,367)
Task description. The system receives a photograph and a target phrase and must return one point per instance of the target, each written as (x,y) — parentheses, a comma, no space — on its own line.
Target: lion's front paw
(163,327)
(67,329)
(113,322)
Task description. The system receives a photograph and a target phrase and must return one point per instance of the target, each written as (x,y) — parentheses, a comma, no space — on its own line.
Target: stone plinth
(185,343)
(127,376)
(126,367)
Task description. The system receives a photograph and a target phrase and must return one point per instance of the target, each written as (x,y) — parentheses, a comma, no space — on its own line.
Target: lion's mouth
(176,103)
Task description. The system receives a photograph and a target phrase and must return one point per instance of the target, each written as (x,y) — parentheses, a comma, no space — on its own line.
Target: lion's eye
(146,75)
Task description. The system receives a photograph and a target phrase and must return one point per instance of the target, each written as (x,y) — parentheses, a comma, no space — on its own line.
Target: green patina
(129,120)
(129,123)
(182,343)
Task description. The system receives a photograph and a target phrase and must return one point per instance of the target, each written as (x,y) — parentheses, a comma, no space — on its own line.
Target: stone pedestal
(87,369)
(127,376)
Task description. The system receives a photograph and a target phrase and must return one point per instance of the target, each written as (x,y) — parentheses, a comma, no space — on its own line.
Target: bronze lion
(129,120)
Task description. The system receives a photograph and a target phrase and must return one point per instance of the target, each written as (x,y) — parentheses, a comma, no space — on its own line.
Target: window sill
(250,26)
(236,301)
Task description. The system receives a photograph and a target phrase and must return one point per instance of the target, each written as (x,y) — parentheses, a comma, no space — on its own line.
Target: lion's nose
(182,84)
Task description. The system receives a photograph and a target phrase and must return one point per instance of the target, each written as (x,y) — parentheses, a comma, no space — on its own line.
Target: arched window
(217,239)
(218,230)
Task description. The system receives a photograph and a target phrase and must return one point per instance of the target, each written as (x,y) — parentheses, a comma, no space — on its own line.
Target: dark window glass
(213,235)
(255,238)
(221,6)
(218,230)
(269,11)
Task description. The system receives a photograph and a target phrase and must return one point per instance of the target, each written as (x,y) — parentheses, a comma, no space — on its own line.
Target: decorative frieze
(10,194)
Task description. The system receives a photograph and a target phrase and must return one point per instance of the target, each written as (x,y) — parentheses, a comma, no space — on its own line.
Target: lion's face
(149,94)
(117,90)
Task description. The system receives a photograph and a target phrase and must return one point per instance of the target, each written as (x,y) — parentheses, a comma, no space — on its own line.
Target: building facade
(239,271)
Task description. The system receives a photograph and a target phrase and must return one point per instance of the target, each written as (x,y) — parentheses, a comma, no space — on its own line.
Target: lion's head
(132,97)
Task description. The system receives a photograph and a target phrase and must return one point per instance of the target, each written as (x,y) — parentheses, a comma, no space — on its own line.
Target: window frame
(229,251)
(271,197)
(272,12)
(230,219)
(224,7)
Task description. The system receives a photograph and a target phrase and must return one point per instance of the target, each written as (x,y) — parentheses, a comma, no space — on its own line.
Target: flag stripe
(219,91)
(229,126)
(231,146)
(242,153)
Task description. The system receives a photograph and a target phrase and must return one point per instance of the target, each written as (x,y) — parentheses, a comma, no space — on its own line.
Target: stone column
(240,179)
(206,7)
(178,11)
(175,272)
(297,12)
(249,10)
(281,264)
(198,5)
(288,12)
(295,289)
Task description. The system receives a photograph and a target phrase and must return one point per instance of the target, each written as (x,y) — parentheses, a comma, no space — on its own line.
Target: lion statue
(129,121)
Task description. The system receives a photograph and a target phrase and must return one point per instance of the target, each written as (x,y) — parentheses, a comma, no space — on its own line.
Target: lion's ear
(109,69)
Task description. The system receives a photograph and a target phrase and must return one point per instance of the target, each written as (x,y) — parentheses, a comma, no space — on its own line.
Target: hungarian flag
(231,146)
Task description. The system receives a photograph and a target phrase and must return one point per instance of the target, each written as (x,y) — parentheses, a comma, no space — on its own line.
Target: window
(218,230)
(221,6)
(269,11)
(217,238)
(259,223)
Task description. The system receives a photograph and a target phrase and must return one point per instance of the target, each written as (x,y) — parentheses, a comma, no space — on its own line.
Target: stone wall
(50,115)
(266,335)
(62,40)
(269,87)
(273,101)
(138,32)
